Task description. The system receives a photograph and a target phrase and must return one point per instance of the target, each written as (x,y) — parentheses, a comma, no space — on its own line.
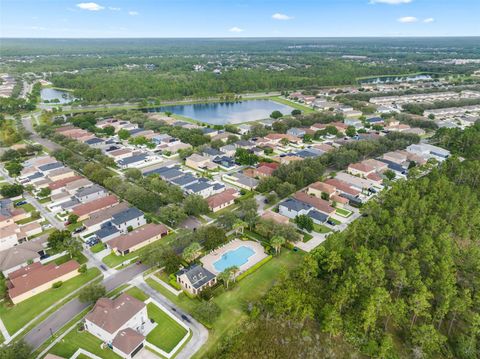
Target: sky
(238,18)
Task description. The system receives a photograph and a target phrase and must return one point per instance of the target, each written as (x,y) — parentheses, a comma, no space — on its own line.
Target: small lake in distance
(49,94)
(226,113)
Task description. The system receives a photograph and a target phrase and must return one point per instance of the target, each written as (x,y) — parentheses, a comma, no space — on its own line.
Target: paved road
(34,202)
(199,332)
(27,123)
(38,335)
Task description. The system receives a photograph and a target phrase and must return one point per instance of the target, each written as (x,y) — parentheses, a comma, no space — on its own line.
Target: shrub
(253,268)
(57,284)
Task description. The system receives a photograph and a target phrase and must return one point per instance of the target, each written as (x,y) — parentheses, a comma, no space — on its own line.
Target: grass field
(343,212)
(320,228)
(168,333)
(137,293)
(296,105)
(97,247)
(15,317)
(75,339)
(233,301)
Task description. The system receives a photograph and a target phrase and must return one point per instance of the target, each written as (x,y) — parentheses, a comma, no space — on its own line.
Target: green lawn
(80,258)
(16,316)
(137,293)
(296,105)
(233,301)
(73,226)
(168,333)
(343,212)
(44,200)
(319,228)
(26,220)
(27,207)
(75,339)
(97,247)
(337,222)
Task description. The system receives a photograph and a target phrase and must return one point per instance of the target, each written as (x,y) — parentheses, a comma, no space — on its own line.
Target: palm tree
(277,242)
(233,272)
(238,226)
(191,252)
(224,277)
(73,246)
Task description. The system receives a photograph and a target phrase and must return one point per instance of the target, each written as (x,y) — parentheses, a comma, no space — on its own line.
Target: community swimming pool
(236,257)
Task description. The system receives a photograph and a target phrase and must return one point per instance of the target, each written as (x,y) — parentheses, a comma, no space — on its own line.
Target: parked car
(79,229)
(330,222)
(20,203)
(47,226)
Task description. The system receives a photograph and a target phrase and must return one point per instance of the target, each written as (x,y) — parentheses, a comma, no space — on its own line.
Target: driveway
(39,334)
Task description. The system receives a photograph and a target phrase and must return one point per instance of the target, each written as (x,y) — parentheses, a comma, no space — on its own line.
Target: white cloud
(133,13)
(236,29)
(278,16)
(408,19)
(429,20)
(390,2)
(114,8)
(90,6)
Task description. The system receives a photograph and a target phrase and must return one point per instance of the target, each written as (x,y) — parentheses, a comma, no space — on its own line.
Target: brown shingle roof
(127,340)
(320,204)
(221,198)
(94,206)
(342,186)
(111,314)
(139,235)
(323,187)
(61,183)
(25,280)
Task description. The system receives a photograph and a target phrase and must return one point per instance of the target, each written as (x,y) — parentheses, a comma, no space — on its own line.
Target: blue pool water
(232,258)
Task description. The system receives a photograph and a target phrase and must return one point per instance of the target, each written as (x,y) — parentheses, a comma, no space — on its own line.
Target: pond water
(49,94)
(227,113)
(390,79)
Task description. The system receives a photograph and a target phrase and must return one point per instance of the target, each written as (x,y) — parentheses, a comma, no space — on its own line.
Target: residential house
(90,193)
(222,200)
(36,278)
(129,218)
(60,173)
(240,180)
(200,163)
(195,278)
(291,208)
(120,323)
(297,132)
(137,238)
(276,217)
(321,190)
(84,210)
(21,255)
(318,203)
(265,169)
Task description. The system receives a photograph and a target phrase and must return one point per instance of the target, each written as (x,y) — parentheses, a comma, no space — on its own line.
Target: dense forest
(163,69)
(401,282)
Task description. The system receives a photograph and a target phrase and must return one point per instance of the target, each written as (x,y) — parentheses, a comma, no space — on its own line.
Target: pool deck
(216,254)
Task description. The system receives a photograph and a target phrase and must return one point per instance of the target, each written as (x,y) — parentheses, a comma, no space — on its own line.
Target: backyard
(75,339)
(16,316)
(168,333)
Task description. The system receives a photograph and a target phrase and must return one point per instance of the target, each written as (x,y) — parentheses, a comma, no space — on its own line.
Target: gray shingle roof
(197,275)
(126,215)
(294,205)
